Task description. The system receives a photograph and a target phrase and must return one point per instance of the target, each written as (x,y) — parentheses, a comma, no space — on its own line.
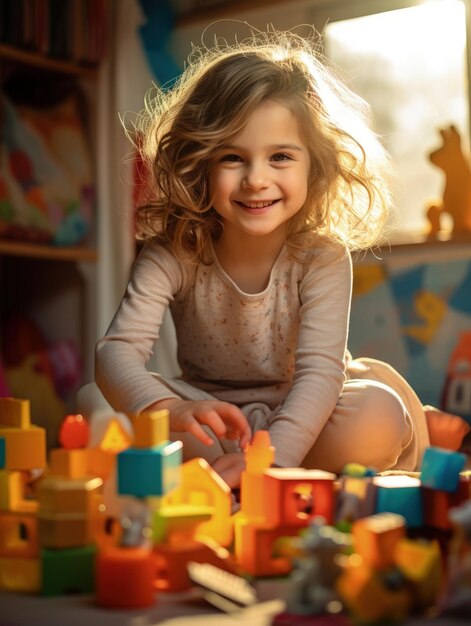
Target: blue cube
(3,453)
(441,469)
(145,472)
(401,495)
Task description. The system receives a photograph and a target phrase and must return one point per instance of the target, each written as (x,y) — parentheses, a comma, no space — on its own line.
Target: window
(410,65)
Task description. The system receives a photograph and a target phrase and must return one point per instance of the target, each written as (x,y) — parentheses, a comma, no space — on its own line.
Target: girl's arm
(324,294)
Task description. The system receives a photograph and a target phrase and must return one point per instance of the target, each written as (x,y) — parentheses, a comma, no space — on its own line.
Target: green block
(71,570)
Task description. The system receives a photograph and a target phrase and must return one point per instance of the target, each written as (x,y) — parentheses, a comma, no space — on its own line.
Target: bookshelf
(52,285)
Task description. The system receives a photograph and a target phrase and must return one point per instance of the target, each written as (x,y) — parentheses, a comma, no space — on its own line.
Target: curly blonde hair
(181,129)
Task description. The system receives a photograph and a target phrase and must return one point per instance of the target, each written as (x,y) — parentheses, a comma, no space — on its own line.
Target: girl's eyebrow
(278,146)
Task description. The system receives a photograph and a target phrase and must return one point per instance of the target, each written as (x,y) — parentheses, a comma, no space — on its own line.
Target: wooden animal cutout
(456,200)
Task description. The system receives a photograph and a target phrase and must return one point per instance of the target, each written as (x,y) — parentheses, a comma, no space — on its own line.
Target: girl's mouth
(261,204)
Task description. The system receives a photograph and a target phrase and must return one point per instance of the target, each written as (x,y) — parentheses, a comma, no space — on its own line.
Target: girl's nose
(255,178)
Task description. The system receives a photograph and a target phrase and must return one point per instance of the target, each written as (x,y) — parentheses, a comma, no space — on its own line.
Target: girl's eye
(230,158)
(281,156)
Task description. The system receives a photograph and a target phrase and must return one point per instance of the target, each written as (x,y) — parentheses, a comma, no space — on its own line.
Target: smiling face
(261,180)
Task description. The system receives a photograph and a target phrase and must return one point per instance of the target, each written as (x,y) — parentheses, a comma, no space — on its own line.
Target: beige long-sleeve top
(278,354)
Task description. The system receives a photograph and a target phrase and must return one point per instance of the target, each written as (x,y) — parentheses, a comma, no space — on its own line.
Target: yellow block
(20,575)
(115,439)
(150,428)
(66,495)
(69,463)
(14,412)
(25,448)
(12,493)
(420,562)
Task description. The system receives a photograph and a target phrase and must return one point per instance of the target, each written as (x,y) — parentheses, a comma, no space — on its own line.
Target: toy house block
(178,520)
(375,538)
(367,598)
(12,493)
(294,496)
(441,469)
(151,428)
(25,448)
(125,578)
(420,562)
(18,535)
(437,504)
(400,494)
(201,486)
(69,495)
(20,575)
(171,562)
(3,459)
(254,547)
(67,463)
(15,413)
(68,571)
(153,471)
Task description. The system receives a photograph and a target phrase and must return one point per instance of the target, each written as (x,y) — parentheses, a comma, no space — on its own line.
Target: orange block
(100,463)
(70,463)
(25,448)
(436,504)
(18,535)
(65,530)
(12,493)
(20,575)
(375,538)
(15,413)
(125,578)
(67,495)
(150,428)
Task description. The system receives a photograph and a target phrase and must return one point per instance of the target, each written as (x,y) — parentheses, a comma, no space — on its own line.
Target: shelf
(54,65)
(36,251)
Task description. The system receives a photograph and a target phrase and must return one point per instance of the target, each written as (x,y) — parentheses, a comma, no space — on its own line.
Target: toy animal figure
(456,200)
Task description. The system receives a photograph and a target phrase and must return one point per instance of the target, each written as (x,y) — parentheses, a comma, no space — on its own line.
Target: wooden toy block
(125,578)
(100,463)
(437,504)
(400,494)
(252,496)
(375,538)
(18,535)
(115,438)
(12,493)
(260,453)
(151,428)
(356,498)
(69,495)
(15,413)
(69,463)
(2,452)
(254,547)
(68,571)
(179,519)
(144,472)
(420,562)
(441,469)
(65,530)
(367,598)
(25,448)
(171,562)
(201,485)
(20,575)
(294,496)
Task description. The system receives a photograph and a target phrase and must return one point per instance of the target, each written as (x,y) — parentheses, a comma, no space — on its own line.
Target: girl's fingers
(198,431)
(212,419)
(236,420)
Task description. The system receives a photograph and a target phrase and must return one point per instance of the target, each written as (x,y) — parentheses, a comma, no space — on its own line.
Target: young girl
(265,175)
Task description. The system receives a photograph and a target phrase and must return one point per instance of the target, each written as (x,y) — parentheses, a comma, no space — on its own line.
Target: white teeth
(256,205)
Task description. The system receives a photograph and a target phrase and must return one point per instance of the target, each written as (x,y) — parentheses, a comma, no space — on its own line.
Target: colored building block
(437,504)
(375,538)
(420,562)
(153,471)
(12,493)
(366,596)
(125,578)
(20,575)
(441,469)
(401,495)
(151,428)
(71,463)
(3,459)
(18,535)
(294,496)
(25,448)
(65,530)
(181,519)
(259,457)
(68,571)
(201,485)
(100,463)
(74,432)
(71,496)
(15,413)
(356,498)
(115,438)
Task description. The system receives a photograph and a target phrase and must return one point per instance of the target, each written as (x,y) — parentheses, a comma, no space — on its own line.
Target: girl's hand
(230,467)
(226,420)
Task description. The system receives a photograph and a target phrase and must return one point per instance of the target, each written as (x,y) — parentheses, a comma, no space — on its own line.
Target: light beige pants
(378,421)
